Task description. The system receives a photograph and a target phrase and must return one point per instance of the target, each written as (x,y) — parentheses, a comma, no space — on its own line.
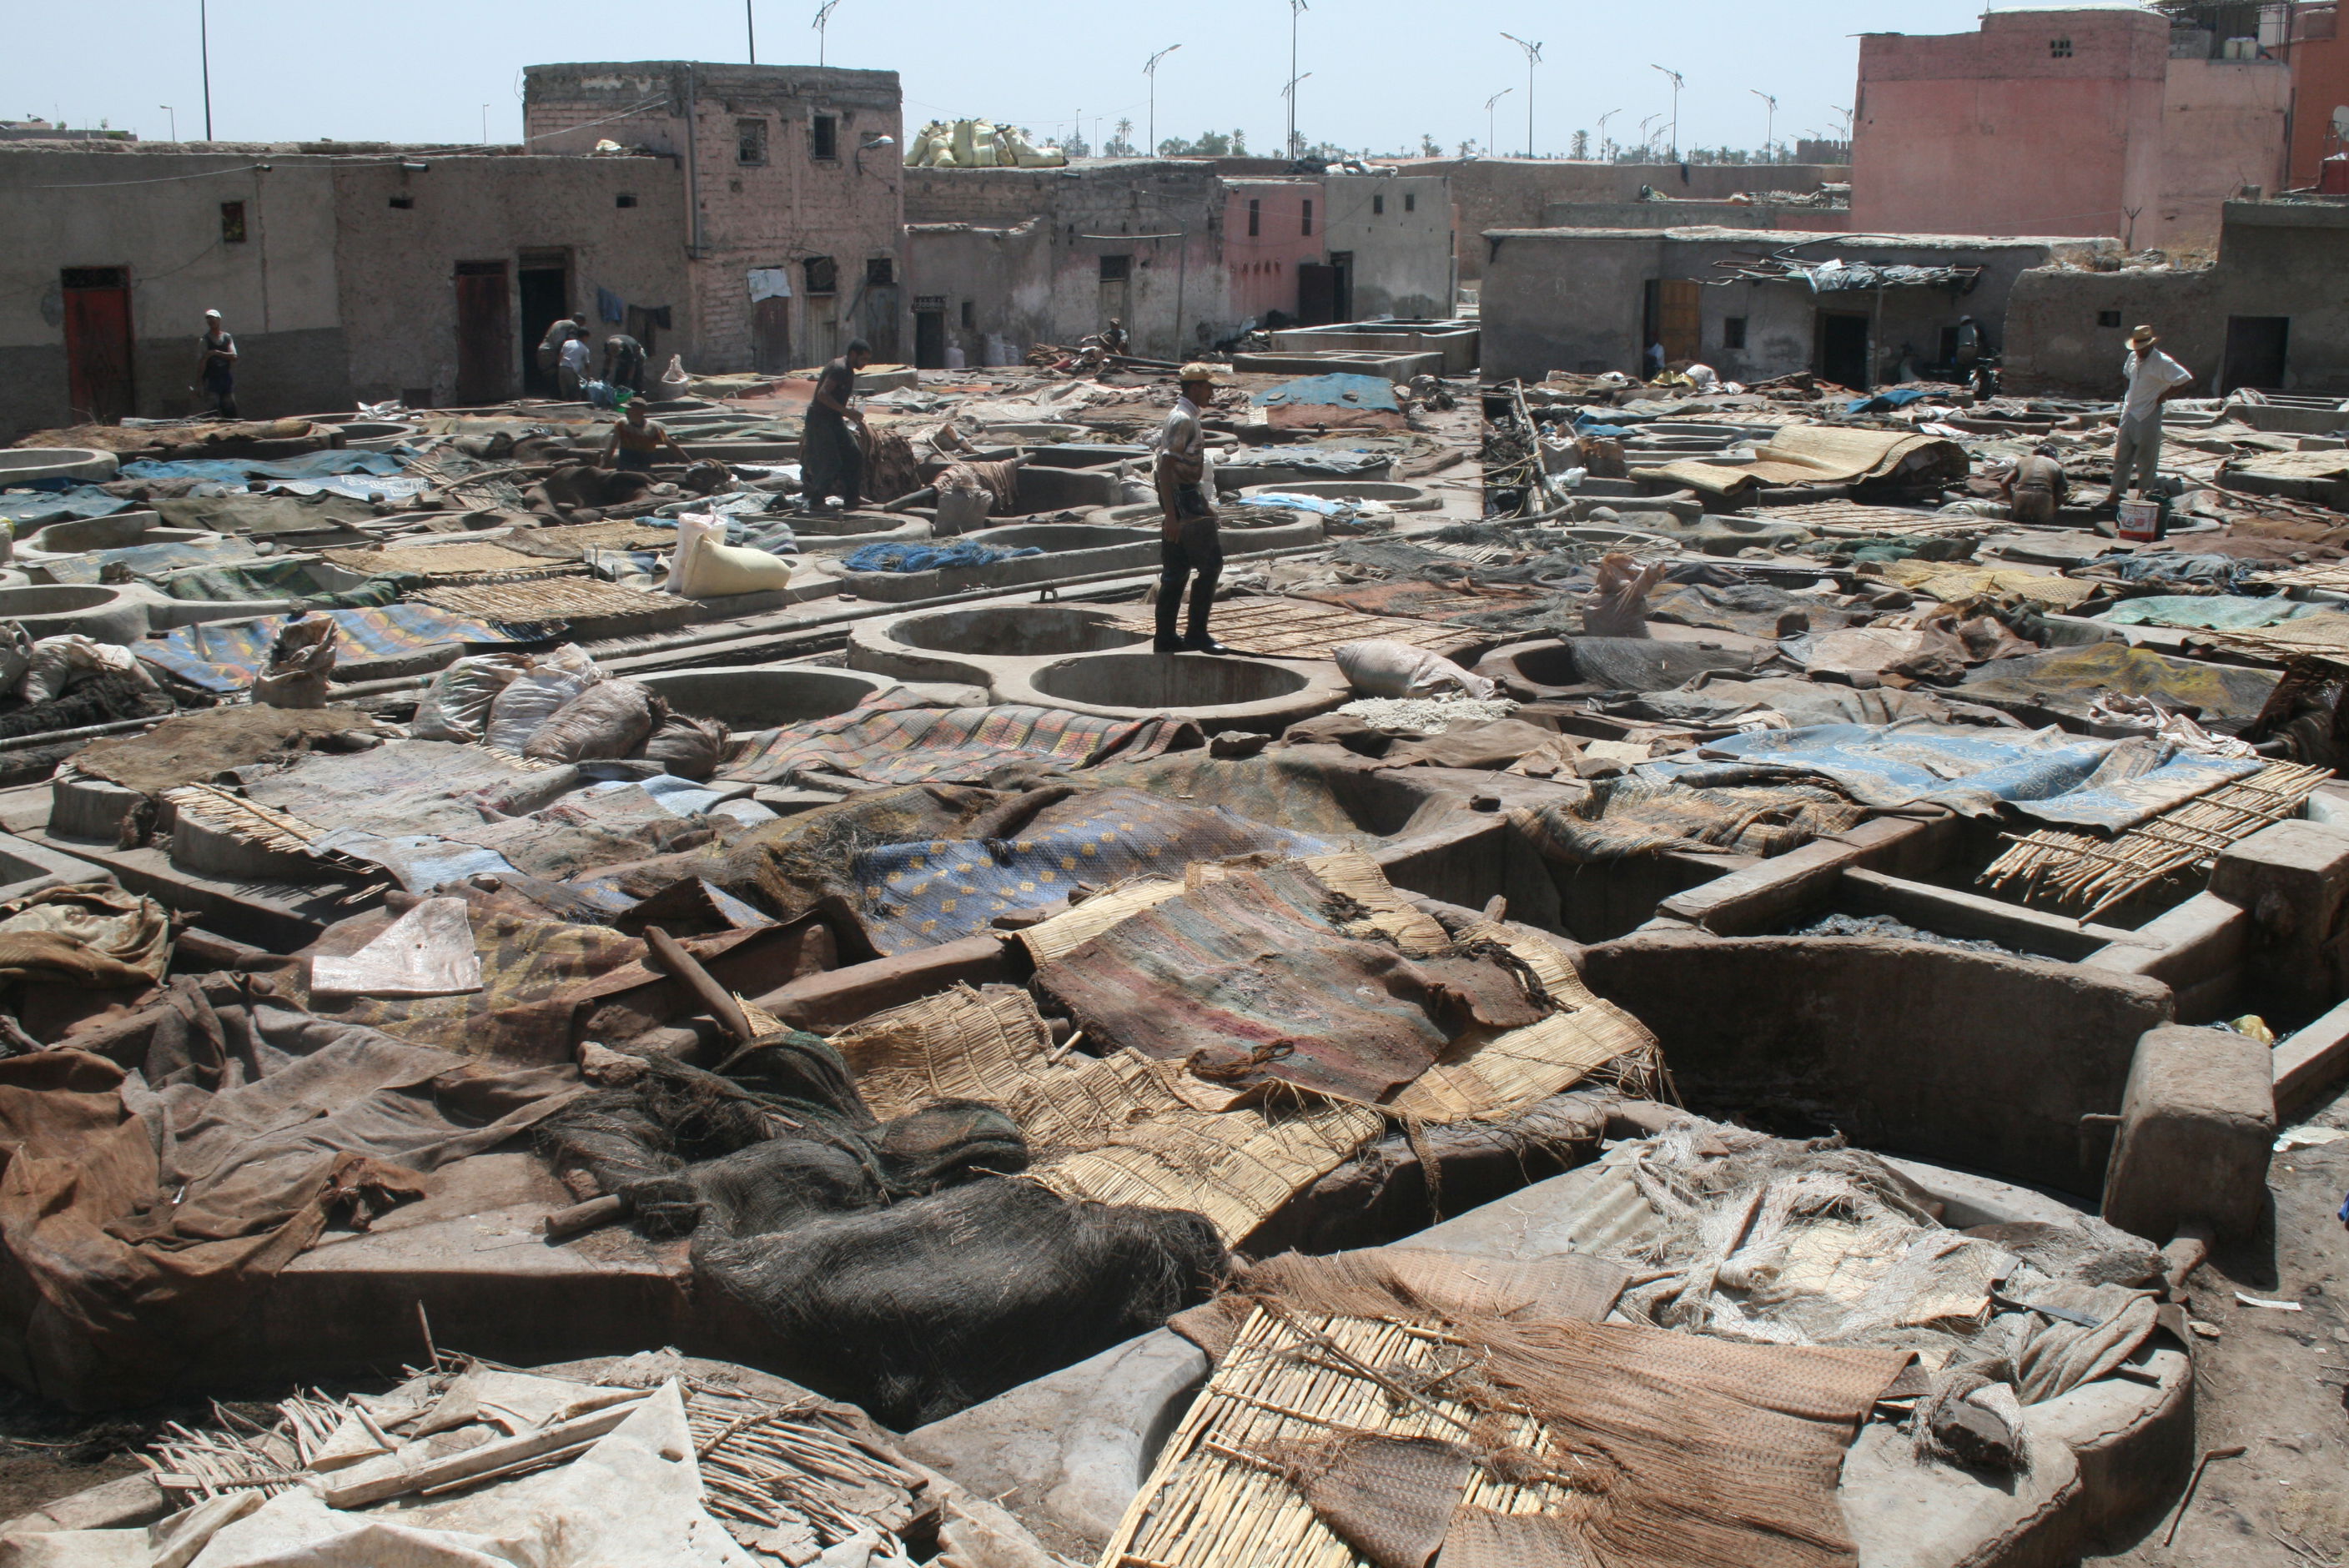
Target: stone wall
(759,196)
(1574,299)
(157,215)
(395,264)
(1514,192)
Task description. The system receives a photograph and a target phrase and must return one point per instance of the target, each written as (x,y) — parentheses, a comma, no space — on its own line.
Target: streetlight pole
(204,47)
(750,28)
(1647,136)
(485,125)
(1150,69)
(1676,112)
(1290,92)
(821,24)
(1492,135)
(1295,8)
(167,109)
(1769,122)
(1604,156)
(1533,58)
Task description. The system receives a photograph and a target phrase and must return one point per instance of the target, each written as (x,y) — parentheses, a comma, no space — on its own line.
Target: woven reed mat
(570,540)
(1377,1410)
(1485,1072)
(1124,1129)
(2061,865)
(1892,522)
(1952,580)
(479,561)
(2325,634)
(553,599)
(1301,629)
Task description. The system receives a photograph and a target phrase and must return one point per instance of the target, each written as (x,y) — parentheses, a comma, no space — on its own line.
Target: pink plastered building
(2062,122)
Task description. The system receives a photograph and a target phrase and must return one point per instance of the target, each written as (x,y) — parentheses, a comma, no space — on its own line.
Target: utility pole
(1676,110)
(750,27)
(485,125)
(204,47)
(1150,69)
(1295,8)
(1492,132)
(167,109)
(1533,58)
(822,21)
(1769,122)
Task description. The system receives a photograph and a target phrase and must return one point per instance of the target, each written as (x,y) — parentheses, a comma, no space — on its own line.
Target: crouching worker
(1189,546)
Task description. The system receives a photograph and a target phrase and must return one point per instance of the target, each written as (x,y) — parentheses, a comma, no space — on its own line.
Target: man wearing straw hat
(2154,378)
(1188,542)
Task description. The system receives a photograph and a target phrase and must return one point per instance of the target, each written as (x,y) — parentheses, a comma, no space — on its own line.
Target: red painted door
(485,343)
(98,344)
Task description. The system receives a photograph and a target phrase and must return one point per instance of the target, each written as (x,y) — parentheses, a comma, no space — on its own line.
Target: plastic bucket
(959,511)
(2140,520)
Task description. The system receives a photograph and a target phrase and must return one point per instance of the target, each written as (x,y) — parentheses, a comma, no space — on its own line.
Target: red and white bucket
(2140,519)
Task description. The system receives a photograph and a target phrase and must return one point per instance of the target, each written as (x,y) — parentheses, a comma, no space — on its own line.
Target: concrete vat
(1218,691)
(764,697)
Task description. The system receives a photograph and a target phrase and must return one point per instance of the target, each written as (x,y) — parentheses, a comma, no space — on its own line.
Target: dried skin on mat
(1326,1428)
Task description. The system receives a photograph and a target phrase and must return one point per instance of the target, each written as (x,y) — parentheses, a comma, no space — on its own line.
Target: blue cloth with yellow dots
(942,890)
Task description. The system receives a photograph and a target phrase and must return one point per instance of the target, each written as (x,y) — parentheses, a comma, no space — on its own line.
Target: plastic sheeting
(2212,612)
(228,655)
(2046,774)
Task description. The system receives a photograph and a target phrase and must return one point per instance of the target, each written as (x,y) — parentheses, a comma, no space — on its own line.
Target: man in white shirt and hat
(2154,378)
(1190,548)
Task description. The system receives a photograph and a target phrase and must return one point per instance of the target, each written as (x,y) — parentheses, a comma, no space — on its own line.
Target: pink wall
(2001,132)
(2320,80)
(1263,267)
(2222,127)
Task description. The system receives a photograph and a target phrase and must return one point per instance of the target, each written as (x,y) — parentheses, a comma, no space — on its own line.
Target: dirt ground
(2275,1382)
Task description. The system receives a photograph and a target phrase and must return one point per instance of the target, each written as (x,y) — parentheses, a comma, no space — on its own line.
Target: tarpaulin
(892,741)
(33,508)
(2218,612)
(542,981)
(1648,815)
(266,513)
(1255,977)
(226,656)
(310,466)
(1342,391)
(920,894)
(140,1225)
(149,560)
(2068,681)
(87,936)
(2045,773)
(1826,454)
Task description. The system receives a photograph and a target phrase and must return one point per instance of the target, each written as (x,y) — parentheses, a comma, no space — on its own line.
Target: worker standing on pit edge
(833,454)
(571,366)
(2154,378)
(216,366)
(2037,487)
(624,362)
(1190,548)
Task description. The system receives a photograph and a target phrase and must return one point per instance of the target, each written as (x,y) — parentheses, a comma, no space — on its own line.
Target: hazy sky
(1381,72)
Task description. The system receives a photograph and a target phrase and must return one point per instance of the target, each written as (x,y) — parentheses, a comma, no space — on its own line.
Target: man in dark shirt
(216,366)
(624,362)
(832,456)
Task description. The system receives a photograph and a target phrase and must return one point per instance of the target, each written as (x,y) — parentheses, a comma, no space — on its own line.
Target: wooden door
(485,341)
(1317,294)
(930,339)
(771,336)
(98,381)
(2257,351)
(1679,319)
